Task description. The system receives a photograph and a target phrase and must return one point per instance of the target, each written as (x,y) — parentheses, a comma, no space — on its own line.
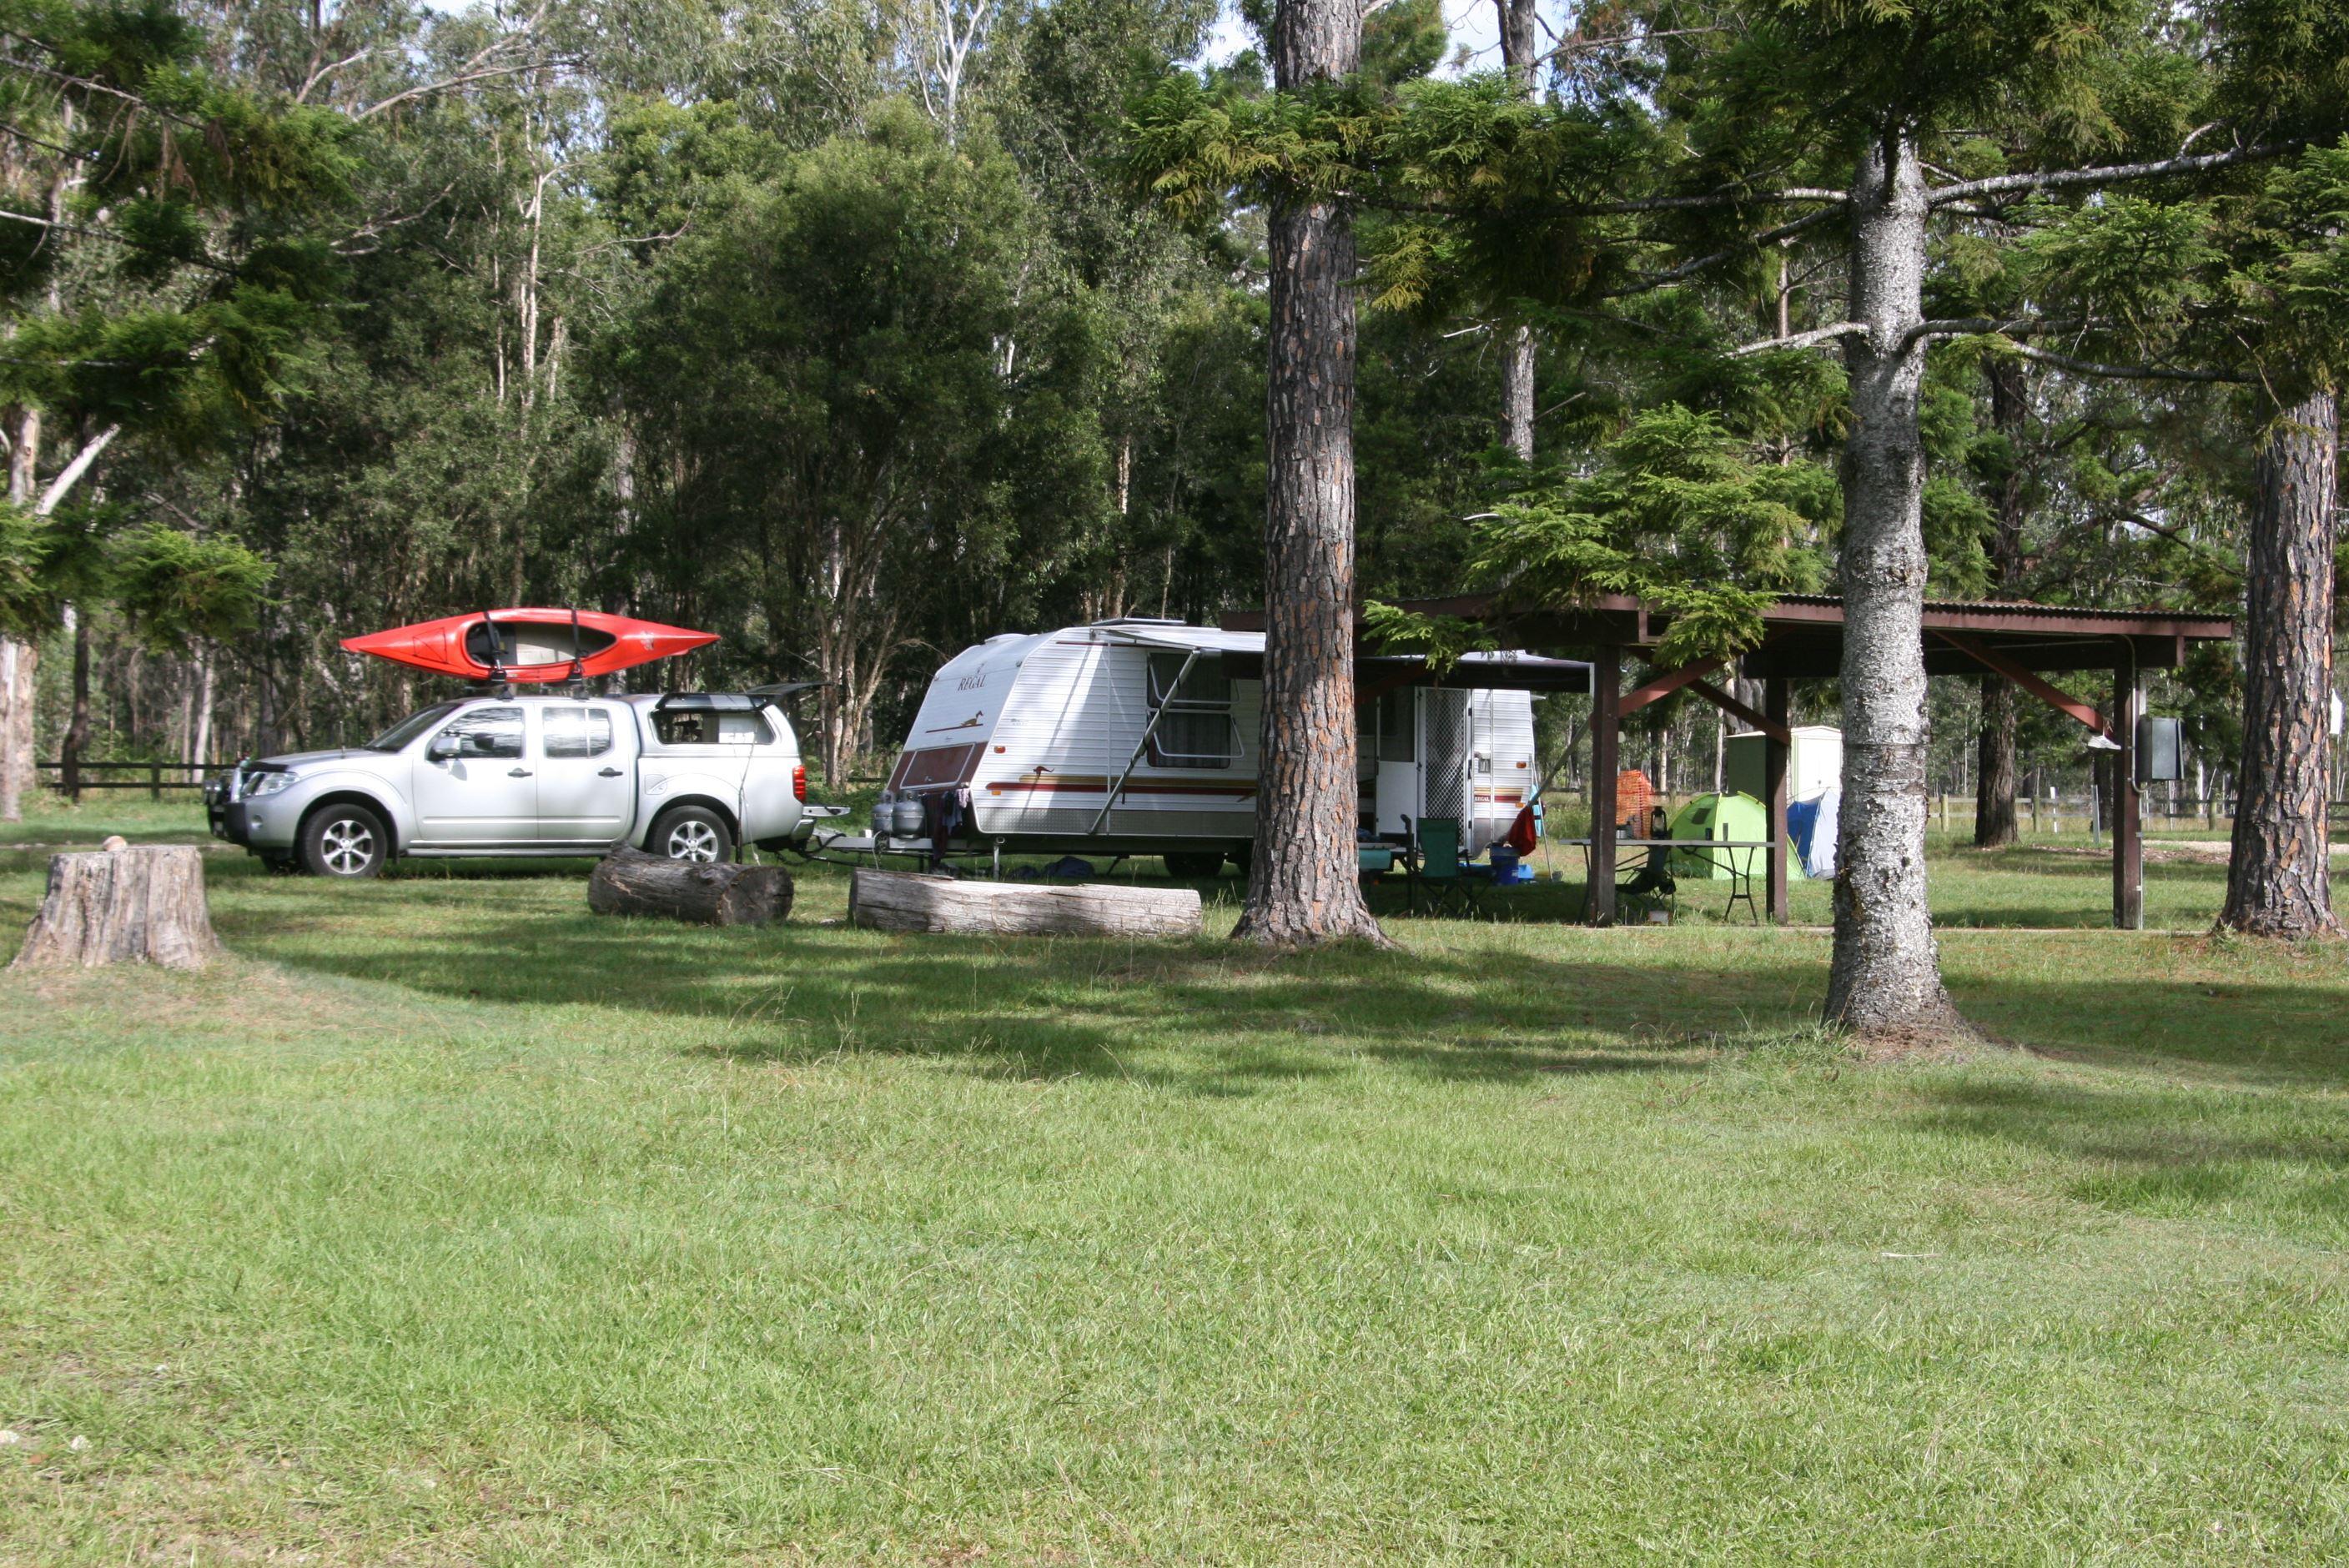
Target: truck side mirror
(442,748)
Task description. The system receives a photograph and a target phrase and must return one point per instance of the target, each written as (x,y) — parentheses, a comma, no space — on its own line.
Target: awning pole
(1147,731)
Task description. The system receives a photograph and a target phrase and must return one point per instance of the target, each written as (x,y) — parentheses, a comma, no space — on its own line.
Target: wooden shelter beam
(1606,723)
(1658,687)
(2054,696)
(1738,710)
(2129,828)
(1775,748)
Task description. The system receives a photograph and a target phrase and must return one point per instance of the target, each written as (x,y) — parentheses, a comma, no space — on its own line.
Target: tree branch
(114,239)
(1801,339)
(1988,327)
(2127,372)
(67,78)
(2110,174)
(1687,268)
(72,472)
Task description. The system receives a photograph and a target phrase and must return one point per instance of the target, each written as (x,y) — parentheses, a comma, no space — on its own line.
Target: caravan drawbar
(1140,737)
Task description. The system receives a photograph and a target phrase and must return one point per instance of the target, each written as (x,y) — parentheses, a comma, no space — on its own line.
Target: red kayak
(529,644)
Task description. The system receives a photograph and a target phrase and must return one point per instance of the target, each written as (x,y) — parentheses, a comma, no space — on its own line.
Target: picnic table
(1741,868)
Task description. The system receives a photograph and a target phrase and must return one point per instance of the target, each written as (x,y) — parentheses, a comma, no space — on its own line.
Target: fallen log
(905,900)
(123,905)
(700,892)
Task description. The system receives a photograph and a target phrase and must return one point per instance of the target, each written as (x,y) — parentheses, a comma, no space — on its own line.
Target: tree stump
(700,892)
(902,900)
(123,906)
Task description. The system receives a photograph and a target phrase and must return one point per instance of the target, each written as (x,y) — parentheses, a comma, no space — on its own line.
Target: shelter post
(1606,720)
(1774,708)
(2128,836)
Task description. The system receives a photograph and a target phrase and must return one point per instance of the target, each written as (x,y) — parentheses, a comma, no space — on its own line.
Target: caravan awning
(1242,657)
(1376,673)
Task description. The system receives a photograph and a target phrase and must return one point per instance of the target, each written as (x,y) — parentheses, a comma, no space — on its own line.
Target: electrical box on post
(2160,750)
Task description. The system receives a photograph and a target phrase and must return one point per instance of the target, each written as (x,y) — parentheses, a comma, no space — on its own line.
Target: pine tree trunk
(1885,978)
(2277,874)
(1517,394)
(1517,27)
(1301,879)
(1994,823)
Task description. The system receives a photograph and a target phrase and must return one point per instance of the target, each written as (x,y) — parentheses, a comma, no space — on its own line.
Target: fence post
(154,782)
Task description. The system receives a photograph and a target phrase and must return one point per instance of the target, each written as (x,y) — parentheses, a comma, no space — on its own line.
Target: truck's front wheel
(692,833)
(346,841)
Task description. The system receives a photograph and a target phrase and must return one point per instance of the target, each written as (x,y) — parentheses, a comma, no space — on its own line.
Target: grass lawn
(446,1224)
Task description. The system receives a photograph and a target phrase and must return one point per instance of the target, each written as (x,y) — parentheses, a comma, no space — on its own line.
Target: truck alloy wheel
(692,833)
(346,841)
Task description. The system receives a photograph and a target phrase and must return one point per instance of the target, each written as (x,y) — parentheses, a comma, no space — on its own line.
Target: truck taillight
(799,782)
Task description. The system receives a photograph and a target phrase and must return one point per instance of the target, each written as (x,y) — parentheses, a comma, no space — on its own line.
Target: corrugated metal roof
(2022,608)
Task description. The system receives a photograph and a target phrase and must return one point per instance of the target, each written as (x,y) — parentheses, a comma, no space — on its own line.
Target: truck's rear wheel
(692,833)
(346,841)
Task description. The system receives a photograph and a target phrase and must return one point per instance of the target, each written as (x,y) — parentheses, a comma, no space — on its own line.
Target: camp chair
(1439,866)
(1654,887)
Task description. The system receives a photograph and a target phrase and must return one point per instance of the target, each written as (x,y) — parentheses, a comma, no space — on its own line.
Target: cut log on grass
(901,900)
(123,906)
(630,882)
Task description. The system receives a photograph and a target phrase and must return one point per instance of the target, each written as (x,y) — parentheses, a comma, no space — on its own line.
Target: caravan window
(1194,723)
(1397,710)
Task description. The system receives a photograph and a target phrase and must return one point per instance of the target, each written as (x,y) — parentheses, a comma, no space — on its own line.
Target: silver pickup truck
(690,775)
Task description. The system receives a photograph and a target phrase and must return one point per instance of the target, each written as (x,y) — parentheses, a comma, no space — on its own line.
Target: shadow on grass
(1467,1001)
(1467,1006)
(2158,1152)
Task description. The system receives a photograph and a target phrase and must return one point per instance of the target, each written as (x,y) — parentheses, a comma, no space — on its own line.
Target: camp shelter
(1803,640)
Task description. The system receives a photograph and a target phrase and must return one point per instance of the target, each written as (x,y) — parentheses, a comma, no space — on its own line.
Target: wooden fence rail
(152,776)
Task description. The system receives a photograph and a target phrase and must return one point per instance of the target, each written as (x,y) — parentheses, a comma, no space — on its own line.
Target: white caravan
(1135,736)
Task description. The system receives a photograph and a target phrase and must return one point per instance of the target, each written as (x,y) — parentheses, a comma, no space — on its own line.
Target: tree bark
(1302,888)
(1886,977)
(903,901)
(2277,874)
(19,659)
(122,906)
(17,665)
(77,727)
(1516,26)
(630,882)
(1994,823)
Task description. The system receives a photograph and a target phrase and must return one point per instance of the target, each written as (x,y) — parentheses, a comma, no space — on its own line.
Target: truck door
(474,784)
(586,773)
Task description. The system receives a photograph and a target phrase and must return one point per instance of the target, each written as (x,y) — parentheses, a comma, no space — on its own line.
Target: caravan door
(1396,785)
(1447,748)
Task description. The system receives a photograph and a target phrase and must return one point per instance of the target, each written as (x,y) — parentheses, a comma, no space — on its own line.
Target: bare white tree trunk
(1885,978)
(19,660)
(200,732)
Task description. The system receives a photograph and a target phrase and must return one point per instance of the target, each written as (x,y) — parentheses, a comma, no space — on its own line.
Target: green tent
(1737,818)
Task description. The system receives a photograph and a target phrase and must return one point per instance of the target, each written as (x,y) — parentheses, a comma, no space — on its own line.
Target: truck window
(487,732)
(711,729)
(577,732)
